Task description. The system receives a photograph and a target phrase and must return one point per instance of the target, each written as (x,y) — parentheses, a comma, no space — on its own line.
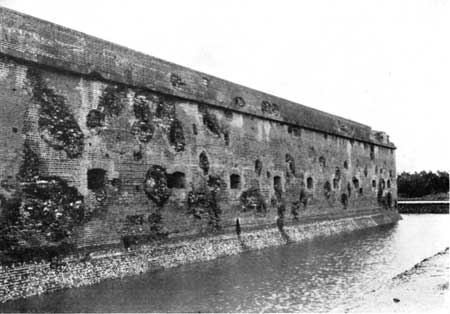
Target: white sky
(381,63)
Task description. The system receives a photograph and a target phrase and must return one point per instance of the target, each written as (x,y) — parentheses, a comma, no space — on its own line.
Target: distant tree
(423,183)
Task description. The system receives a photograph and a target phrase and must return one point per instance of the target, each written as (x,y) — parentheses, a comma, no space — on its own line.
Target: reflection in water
(315,276)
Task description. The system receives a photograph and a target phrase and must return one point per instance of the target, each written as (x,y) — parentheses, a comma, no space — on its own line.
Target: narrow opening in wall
(374,183)
(194,129)
(327,189)
(344,200)
(388,184)
(360,191)
(337,173)
(176,180)
(258,167)
(309,183)
(389,200)
(372,152)
(235,181)
(355,182)
(391,173)
(203,163)
(322,161)
(346,164)
(366,172)
(277,187)
(349,189)
(335,183)
(382,184)
(96,178)
(268,174)
(290,163)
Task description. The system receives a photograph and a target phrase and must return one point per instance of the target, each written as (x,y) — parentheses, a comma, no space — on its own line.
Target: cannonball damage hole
(252,200)
(176,180)
(57,125)
(155,185)
(235,181)
(96,179)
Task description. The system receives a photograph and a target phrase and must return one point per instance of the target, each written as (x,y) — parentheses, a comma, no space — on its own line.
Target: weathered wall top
(50,45)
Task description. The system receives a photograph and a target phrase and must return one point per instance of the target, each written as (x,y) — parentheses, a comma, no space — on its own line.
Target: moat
(320,275)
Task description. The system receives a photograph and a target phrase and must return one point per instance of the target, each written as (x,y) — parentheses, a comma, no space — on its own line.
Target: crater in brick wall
(176,80)
(155,185)
(41,212)
(238,102)
(57,125)
(211,122)
(252,200)
(203,201)
(270,108)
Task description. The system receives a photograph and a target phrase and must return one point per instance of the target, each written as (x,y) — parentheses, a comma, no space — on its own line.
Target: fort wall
(104,146)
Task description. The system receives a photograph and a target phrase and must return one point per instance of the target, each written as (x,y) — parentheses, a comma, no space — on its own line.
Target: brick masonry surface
(103,147)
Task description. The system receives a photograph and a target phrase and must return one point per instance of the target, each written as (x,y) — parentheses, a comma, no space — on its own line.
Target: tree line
(422,183)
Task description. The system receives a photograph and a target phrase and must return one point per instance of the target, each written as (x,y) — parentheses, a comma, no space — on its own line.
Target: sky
(382,63)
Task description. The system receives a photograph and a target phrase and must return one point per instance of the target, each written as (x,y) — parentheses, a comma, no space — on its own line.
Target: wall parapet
(33,40)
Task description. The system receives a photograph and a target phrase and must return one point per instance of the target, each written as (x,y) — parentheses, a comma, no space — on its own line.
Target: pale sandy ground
(422,289)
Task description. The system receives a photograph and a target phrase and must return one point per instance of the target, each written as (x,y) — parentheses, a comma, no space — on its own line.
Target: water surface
(316,276)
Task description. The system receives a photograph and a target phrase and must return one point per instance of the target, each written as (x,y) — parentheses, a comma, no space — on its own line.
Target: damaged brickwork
(100,145)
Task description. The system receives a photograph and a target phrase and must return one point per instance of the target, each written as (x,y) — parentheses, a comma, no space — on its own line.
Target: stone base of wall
(25,280)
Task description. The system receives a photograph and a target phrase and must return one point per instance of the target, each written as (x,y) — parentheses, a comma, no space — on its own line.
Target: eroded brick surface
(150,150)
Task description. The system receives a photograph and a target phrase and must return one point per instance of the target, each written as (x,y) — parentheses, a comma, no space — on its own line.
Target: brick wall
(155,149)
